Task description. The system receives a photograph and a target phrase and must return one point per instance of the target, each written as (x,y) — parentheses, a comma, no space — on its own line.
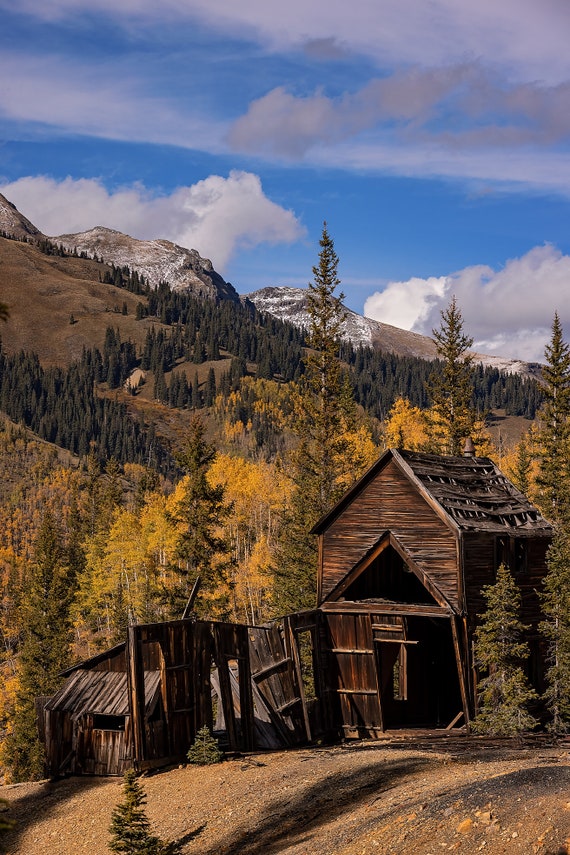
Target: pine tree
(46,628)
(450,386)
(130,827)
(322,413)
(205,750)
(504,693)
(554,438)
(200,511)
(555,628)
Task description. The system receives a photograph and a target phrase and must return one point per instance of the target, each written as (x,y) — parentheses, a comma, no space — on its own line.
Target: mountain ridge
(185,270)
(290,304)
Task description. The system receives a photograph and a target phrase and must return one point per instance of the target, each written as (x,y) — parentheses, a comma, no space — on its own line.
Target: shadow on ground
(32,808)
(297,819)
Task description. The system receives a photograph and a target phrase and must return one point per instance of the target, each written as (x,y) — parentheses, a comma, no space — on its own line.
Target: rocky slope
(290,304)
(14,223)
(158,261)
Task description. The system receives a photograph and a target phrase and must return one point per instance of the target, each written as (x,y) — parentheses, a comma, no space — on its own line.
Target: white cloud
(405,304)
(508,312)
(216,216)
(528,37)
(107,101)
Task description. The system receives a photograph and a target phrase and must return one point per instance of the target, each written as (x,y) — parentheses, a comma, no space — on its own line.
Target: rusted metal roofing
(101,693)
(472,493)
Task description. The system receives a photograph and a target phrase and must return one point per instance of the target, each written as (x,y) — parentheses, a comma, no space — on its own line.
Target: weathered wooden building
(402,561)
(403,558)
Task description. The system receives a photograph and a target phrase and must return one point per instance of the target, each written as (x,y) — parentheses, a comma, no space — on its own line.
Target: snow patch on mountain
(290,304)
(157,260)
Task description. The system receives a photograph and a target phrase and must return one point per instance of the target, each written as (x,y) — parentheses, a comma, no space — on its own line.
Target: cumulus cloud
(509,311)
(406,304)
(217,216)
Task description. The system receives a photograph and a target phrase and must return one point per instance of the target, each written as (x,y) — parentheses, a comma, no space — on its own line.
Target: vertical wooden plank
(135,682)
(461,669)
(294,645)
(245,690)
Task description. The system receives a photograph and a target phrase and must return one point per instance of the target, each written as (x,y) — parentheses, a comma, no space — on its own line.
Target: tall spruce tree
(450,385)
(202,551)
(323,411)
(504,692)
(553,483)
(554,436)
(555,628)
(46,630)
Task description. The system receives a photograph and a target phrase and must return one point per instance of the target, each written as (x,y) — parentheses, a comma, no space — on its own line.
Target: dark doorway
(418,679)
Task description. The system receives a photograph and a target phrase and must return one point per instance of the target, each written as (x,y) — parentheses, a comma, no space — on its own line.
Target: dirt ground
(388,798)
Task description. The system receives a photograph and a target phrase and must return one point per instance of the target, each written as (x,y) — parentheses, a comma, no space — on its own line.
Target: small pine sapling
(205,750)
(504,693)
(130,827)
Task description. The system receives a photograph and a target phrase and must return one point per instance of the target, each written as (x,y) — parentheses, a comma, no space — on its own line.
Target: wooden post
(135,682)
(460,656)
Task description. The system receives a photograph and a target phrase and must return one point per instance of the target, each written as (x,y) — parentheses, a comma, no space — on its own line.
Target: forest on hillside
(274,425)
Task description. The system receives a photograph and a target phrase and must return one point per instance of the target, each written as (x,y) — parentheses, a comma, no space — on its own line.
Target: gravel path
(387,798)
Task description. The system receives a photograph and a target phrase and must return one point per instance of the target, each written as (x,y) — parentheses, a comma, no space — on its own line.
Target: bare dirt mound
(355,799)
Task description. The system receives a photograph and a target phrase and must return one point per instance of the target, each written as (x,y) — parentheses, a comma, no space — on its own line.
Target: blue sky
(432,136)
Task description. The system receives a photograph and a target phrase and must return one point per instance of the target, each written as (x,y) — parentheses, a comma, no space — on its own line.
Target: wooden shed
(141,703)
(403,558)
(402,561)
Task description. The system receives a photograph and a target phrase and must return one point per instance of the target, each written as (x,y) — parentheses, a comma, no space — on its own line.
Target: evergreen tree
(46,628)
(204,750)
(130,827)
(522,468)
(450,386)
(555,629)
(323,412)
(504,692)
(554,438)
(199,513)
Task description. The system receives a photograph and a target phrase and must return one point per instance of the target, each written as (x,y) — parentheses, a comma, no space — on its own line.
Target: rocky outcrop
(15,224)
(290,304)
(157,260)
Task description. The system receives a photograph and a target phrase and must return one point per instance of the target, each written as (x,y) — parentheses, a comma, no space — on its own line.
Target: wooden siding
(480,565)
(352,648)
(390,502)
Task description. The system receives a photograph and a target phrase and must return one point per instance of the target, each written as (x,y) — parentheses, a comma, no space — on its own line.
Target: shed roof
(472,492)
(101,692)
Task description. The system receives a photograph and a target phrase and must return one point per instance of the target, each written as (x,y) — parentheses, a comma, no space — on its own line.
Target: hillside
(44,292)
(189,345)
(290,304)
(387,797)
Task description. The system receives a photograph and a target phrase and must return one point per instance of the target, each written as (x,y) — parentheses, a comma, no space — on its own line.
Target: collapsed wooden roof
(472,492)
(101,693)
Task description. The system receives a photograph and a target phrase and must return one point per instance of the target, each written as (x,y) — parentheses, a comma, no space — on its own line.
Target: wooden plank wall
(352,649)
(390,503)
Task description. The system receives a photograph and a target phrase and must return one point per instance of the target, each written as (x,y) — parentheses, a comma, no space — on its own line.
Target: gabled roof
(101,693)
(471,493)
